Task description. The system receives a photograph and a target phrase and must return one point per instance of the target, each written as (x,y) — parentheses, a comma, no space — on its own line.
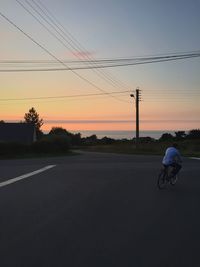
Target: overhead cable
(65,42)
(53,56)
(100,66)
(79,47)
(63,96)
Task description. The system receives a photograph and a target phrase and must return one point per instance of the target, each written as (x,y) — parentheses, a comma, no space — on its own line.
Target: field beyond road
(98,209)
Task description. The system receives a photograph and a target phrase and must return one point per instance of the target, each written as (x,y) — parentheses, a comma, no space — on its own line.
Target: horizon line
(109,121)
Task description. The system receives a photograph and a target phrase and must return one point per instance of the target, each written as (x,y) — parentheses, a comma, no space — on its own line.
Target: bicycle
(166,177)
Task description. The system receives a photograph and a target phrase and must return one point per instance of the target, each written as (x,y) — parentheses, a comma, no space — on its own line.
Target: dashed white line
(14,180)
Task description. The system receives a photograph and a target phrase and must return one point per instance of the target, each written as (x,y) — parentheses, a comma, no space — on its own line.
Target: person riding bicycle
(172,158)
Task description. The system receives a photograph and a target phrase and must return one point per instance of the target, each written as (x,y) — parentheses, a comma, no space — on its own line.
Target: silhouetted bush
(107,141)
(194,134)
(166,137)
(13,148)
(74,139)
(90,140)
(53,144)
(180,135)
(147,139)
(58,131)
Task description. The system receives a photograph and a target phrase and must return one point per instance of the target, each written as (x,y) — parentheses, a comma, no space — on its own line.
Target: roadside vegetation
(43,147)
(189,144)
(61,142)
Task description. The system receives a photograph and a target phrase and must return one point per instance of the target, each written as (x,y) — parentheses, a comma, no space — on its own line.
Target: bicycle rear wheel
(174,179)
(162,179)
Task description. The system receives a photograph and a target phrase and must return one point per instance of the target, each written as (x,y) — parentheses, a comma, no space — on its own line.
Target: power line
(113,65)
(64,96)
(108,60)
(49,53)
(78,47)
(54,26)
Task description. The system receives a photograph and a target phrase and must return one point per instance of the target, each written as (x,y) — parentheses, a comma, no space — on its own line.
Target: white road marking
(14,180)
(195,158)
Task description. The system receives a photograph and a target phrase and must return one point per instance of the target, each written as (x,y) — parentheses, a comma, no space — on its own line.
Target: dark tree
(75,139)
(90,140)
(107,141)
(180,135)
(194,134)
(58,131)
(166,137)
(33,117)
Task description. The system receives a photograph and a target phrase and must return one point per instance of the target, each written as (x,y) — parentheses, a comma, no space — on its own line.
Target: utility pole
(137,97)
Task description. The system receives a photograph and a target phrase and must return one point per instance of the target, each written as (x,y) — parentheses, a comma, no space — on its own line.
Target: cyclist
(172,158)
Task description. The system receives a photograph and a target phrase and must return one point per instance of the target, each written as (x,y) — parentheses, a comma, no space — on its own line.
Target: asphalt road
(98,210)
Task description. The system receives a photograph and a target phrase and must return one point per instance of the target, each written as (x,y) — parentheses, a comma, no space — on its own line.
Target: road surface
(97,209)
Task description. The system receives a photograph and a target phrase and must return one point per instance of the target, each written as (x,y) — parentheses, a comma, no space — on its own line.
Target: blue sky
(107,29)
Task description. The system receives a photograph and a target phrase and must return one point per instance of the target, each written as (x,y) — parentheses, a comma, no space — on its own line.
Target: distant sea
(122,134)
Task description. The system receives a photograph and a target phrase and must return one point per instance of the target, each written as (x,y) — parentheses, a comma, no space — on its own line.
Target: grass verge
(189,148)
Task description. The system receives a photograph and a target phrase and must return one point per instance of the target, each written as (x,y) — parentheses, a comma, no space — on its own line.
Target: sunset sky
(102,30)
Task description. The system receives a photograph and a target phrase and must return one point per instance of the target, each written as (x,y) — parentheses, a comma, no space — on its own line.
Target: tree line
(181,135)
(60,140)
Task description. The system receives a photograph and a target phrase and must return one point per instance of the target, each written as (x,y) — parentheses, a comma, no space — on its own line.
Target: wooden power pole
(137,100)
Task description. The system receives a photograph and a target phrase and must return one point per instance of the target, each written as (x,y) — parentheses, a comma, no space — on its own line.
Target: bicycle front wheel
(162,179)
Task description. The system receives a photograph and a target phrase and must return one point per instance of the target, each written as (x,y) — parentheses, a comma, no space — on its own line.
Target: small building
(17,132)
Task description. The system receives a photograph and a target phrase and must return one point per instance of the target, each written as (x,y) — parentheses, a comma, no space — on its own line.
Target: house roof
(17,132)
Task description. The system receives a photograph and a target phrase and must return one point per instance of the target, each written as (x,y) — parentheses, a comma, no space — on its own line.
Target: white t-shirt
(171,155)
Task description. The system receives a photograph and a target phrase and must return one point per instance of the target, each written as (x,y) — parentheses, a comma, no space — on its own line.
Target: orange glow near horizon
(92,99)
(115,117)
(127,126)
(103,113)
